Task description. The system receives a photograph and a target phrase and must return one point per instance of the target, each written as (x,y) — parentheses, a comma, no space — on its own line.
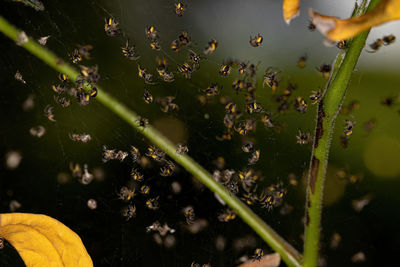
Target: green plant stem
(328,109)
(277,243)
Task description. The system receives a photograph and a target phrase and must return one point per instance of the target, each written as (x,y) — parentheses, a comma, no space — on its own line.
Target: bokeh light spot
(381,156)
(172,128)
(334,187)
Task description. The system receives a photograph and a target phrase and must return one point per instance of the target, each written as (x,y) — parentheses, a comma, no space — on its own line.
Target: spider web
(110,238)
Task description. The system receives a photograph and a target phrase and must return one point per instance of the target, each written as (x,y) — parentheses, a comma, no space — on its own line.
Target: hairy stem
(276,242)
(328,108)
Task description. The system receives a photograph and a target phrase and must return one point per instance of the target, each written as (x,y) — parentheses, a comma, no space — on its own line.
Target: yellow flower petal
(43,241)
(290,9)
(343,29)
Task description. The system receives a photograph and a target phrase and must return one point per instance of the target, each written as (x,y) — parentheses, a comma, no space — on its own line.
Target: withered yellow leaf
(43,241)
(290,9)
(343,29)
(270,260)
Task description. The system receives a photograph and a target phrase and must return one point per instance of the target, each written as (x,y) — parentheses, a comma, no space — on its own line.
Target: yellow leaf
(343,29)
(43,241)
(270,260)
(290,9)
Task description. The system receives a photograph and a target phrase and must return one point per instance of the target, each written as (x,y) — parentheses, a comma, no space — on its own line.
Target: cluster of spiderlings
(84,83)
(284,97)
(196,264)
(147,97)
(254,153)
(248,125)
(212,90)
(76,170)
(181,149)
(300,104)
(63,101)
(85,89)
(112,154)
(195,59)
(152,36)
(245,85)
(342,44)
(75,57)
(225,70)
(189,214)
(163,72)
(226,215)
(348,128)
(347,132)
(129,51)
(183,40)
(315,96)
(180,9)
(186,70)
(245,184)
(227,179)
(258,254)
(84,177)
(136,175)
(111,27)
(129,211)
(212,45)
(272,196)
(303,138)
(143,122)
(167,103)
(127,193)
(385,40)
(18,77)
(235,182)
(271,78)
(147,77)
(135,153)
(232,114)
(168,169)
(60,89)
(248,179)
(155,154)
(162,230)
(80,137)
(151,202)
(254,107)
(256,40)
(269,198)
(49,113)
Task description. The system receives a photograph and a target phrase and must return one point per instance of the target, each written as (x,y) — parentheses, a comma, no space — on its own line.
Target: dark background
(108,237)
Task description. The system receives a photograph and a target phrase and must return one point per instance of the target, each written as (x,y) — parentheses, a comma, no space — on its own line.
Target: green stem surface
(288,254)
(328,109)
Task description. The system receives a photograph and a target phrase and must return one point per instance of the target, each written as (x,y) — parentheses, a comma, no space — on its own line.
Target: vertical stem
(327,111)
(288,254)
